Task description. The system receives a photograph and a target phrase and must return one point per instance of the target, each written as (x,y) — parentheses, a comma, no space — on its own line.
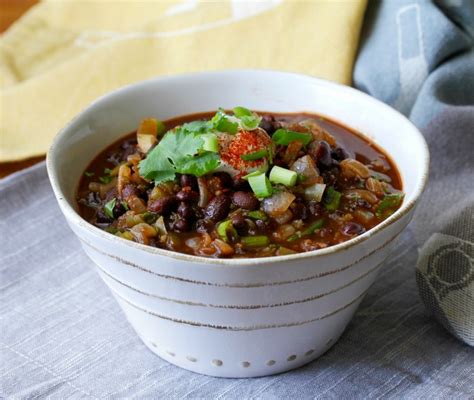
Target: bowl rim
(71,214)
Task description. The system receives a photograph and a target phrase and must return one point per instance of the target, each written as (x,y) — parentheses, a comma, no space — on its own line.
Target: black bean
(226,180)
(340,154)
(103,218)
(119,209)
(188,196)
(300,211)
(245,200)
(238,222)
(269,124)
(218,208)
(241,184)
(352,229)
(188,180)
(163,205)
(182,225)
(186,211)
(323,155)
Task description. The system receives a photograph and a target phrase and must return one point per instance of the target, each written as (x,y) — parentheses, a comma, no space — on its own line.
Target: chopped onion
(306,169)
(203,192)
(278,203)
(314,192)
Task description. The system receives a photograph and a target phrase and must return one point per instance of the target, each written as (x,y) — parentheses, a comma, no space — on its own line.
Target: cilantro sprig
(180,151)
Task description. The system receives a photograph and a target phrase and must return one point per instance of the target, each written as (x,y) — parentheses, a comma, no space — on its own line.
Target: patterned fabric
(429,75)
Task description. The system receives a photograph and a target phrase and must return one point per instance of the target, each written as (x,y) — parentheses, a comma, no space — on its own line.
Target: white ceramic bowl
(237,317)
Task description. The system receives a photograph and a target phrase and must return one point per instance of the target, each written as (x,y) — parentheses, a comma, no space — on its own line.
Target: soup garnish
(240,184)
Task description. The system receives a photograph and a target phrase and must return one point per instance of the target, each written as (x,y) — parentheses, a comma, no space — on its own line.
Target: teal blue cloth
(425,68)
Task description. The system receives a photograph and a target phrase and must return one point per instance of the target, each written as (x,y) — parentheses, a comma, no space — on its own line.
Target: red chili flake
(245,142)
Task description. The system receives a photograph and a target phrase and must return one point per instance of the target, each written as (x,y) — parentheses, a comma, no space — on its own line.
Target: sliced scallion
(255,241)
(308,231)
(332,199)
(260,185)
(258,214)
(225,230)
(256,155)
(388,203)
(285,137)
(109,208)
(211,142)
(88,174)
(283,176)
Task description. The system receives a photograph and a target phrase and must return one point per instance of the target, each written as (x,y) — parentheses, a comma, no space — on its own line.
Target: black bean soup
(240,184)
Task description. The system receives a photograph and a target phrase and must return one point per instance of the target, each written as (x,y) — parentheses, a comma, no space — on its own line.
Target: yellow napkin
(63,54)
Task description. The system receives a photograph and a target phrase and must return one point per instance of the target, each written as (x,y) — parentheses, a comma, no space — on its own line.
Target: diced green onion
(283,176)
(160,128)
(211,142)
(260,185)
(225,230)
(255,173)
(308,231)
(332,199)
(389,202)
(88,174)
(240,112)
(256,155)
(109,208)
(285,137)
(150,217)
(258,215)
(107,171)
(255,241)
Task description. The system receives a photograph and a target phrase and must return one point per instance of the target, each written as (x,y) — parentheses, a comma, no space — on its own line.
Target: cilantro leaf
(221,122)
(179,151)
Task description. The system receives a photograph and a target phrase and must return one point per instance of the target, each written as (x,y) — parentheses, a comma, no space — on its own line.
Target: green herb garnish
(260,185)
(255,241)
(179,151)
(221,122)
(109,208)
(258,215)
(256,155)
(390,201)
(285,137)
(105,179)
(248,120)
(88,174)
(283,176)
(308,231)
(226,230)
(332,199)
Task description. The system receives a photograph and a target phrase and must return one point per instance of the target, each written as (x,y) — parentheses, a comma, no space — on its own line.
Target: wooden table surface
(11,10)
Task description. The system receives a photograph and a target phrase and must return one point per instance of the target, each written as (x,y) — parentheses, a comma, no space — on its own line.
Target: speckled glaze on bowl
(237,317)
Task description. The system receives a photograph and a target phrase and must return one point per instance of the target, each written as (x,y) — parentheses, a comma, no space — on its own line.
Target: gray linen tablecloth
(62,335)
